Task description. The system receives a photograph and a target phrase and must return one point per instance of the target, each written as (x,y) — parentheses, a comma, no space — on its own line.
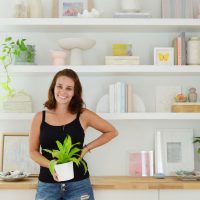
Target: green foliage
(9,49)
(197,140)
(66,152)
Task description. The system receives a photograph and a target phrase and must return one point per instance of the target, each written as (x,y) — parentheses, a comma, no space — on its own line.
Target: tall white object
(76,45)
(35,8)
(130,5)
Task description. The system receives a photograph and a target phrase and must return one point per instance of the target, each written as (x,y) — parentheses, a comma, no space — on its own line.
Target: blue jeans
(77,190)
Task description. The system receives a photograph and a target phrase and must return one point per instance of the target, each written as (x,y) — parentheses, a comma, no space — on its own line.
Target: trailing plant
(9,49)
(66,152)
(197,140)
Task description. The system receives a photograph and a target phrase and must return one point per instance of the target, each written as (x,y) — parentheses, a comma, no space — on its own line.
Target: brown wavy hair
(76,104)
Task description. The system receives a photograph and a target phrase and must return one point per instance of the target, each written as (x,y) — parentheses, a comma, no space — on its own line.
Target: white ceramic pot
(65,171)
(58,57)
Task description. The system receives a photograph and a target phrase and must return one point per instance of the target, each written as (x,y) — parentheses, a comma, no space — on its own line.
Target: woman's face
(64,89)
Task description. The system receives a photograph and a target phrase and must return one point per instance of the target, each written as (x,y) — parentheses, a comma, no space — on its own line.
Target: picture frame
(174,150)
(14,154)
(71,8)
(163,56)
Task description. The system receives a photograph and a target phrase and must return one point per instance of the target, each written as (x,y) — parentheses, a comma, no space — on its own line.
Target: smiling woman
(65,116)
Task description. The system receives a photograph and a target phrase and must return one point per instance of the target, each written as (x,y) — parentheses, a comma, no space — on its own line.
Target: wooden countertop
(116,183)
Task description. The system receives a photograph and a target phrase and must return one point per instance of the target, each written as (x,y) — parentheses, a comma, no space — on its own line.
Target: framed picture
(173,150)
(71,8)
(163,56)
(15,154)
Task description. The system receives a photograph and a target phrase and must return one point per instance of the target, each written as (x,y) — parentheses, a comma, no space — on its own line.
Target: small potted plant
(66,154)
(10,49)
(197,140)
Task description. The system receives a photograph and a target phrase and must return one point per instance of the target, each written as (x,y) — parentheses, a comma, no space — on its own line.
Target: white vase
(35,8)
(65,171)
(130,5)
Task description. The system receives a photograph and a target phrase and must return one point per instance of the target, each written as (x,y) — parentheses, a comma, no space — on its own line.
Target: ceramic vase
(130,5)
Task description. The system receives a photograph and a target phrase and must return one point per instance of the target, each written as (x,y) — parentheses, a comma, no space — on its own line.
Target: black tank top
(48,136)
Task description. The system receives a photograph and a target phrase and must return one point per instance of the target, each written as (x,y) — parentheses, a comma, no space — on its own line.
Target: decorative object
(21,9)
(65,155)
(27,57)
(35,9)
(141,163)
(188,175)
(71,8)
(58,57)
(186,107)
(177,9)
(193,51)
(122,49)
(76,45)
(165,97)
(14,154)
(163,56)
(13,175)
(130,5)
(122,60)
(173,150)
(192,96)
(180,97)
(93,14)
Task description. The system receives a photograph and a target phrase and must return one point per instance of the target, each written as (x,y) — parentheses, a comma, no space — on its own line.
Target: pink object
(141,163)
(58,57)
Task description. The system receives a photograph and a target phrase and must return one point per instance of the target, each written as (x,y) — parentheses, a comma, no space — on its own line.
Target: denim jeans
(77,190)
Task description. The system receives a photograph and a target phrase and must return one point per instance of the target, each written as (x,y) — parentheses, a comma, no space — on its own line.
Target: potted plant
(9,49)
(197,140)
(66,154)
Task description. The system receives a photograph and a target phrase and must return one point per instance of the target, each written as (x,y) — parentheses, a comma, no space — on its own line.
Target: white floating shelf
(107,69)
(98,24)
(116,116)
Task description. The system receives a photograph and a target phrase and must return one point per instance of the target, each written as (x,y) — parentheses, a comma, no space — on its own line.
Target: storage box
(186,107)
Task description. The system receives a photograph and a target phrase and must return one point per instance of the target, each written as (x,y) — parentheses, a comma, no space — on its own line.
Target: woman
(65,115)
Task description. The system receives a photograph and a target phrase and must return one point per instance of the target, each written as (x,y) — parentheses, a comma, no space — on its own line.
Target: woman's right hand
(55,176)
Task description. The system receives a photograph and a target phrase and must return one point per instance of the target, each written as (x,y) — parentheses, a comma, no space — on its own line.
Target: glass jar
(193,51)
(192,96)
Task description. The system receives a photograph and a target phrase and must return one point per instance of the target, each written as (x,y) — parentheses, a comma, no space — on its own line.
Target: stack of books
(179,44)
(132,15)
(19,103)
(120,98)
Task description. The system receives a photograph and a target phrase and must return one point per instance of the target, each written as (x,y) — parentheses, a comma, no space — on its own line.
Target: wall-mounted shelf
(109,69)
(98,24)
(117,116)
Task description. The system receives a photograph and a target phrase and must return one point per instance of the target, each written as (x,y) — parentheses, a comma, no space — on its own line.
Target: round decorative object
(193,51)
(76,45)
(130,5)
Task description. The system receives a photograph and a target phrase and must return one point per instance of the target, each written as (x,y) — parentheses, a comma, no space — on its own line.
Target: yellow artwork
(163,57)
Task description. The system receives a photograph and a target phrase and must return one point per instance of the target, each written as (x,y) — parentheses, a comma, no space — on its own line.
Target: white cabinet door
(179,194)
(17,194)
(126,194)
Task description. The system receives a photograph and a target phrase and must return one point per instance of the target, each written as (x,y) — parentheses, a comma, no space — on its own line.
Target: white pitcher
(130,5)
(35,8)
